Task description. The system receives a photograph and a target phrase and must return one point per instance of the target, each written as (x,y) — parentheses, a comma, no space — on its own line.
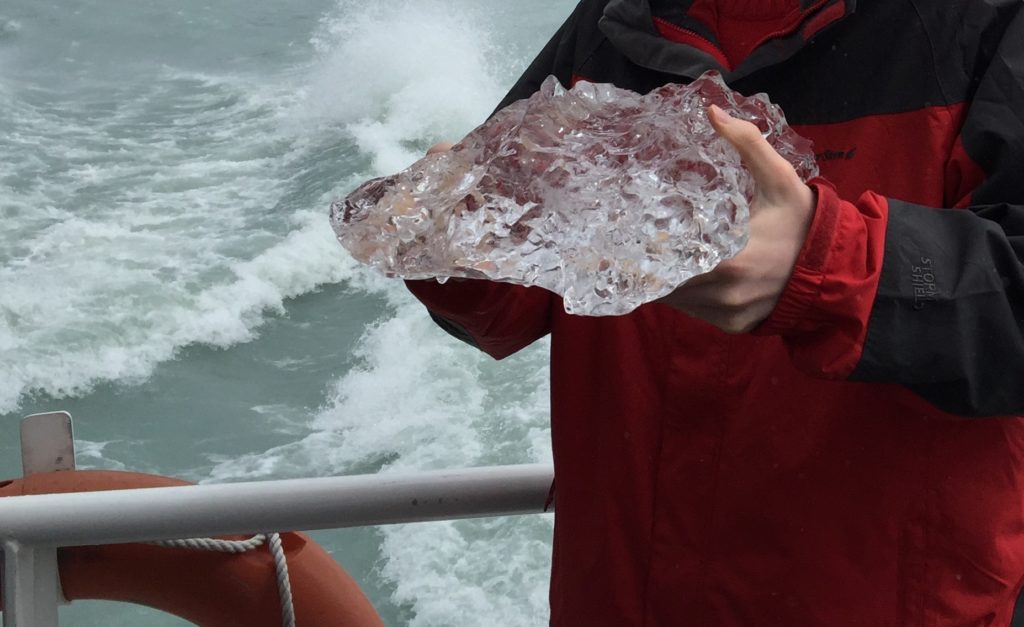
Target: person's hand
(741,292)
(440,147)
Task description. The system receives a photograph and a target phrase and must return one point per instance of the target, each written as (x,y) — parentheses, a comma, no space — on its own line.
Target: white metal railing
(33,527)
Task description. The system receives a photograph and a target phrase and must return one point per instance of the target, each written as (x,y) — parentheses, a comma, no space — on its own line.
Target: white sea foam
(403,75)
(418,399)
(140,217)
(91,455)
(163,215)
(61,333)
(140,229)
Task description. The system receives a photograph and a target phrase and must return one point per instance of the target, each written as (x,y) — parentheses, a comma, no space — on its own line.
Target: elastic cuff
(804,283)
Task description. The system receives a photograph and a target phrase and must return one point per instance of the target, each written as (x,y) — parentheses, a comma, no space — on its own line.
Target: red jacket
(845,463)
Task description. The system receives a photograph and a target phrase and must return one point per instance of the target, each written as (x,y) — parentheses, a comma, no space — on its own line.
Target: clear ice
(606,197)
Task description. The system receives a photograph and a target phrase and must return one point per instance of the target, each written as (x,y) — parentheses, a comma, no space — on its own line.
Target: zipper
(712,48)
(792,29)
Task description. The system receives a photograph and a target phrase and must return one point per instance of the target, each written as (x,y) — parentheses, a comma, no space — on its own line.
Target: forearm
(948,317)
(932,299)
(497,318)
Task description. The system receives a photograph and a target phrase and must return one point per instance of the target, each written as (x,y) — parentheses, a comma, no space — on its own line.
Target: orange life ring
(206,588)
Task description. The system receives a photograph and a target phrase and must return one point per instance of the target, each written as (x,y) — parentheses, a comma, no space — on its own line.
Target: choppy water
(168,273)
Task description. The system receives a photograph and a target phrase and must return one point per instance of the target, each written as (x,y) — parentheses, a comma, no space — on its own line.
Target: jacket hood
(670,36)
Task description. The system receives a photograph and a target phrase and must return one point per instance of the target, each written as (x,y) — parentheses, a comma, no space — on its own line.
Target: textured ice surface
(603,196)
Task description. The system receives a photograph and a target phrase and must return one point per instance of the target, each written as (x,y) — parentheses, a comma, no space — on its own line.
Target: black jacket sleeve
(948,318)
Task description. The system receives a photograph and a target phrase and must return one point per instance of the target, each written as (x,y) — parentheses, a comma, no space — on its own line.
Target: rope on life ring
(284,586)
(212,582)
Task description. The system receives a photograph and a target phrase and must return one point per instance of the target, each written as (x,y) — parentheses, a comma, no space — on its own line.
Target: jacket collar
(666,36)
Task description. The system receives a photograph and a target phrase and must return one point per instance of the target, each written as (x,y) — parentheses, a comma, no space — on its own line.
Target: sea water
(169,276)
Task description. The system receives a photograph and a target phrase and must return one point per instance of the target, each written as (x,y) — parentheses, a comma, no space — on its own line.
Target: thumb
(767,166)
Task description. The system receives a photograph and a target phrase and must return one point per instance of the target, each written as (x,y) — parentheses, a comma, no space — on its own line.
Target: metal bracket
(47,443)
(32,589)
(31,592)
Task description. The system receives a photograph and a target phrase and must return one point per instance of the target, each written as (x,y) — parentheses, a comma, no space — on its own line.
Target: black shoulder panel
(561,56)
(890,56)
(877,61)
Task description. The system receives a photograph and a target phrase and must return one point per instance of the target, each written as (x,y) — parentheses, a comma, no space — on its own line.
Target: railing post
(30,585)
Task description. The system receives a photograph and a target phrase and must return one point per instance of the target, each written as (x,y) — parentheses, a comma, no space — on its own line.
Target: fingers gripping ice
(603,196)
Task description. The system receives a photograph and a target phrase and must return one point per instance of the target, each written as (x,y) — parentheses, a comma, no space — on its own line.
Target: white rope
(284,587)
(213,544)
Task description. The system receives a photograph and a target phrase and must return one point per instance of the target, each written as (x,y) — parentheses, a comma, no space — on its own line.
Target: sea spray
(204,323)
